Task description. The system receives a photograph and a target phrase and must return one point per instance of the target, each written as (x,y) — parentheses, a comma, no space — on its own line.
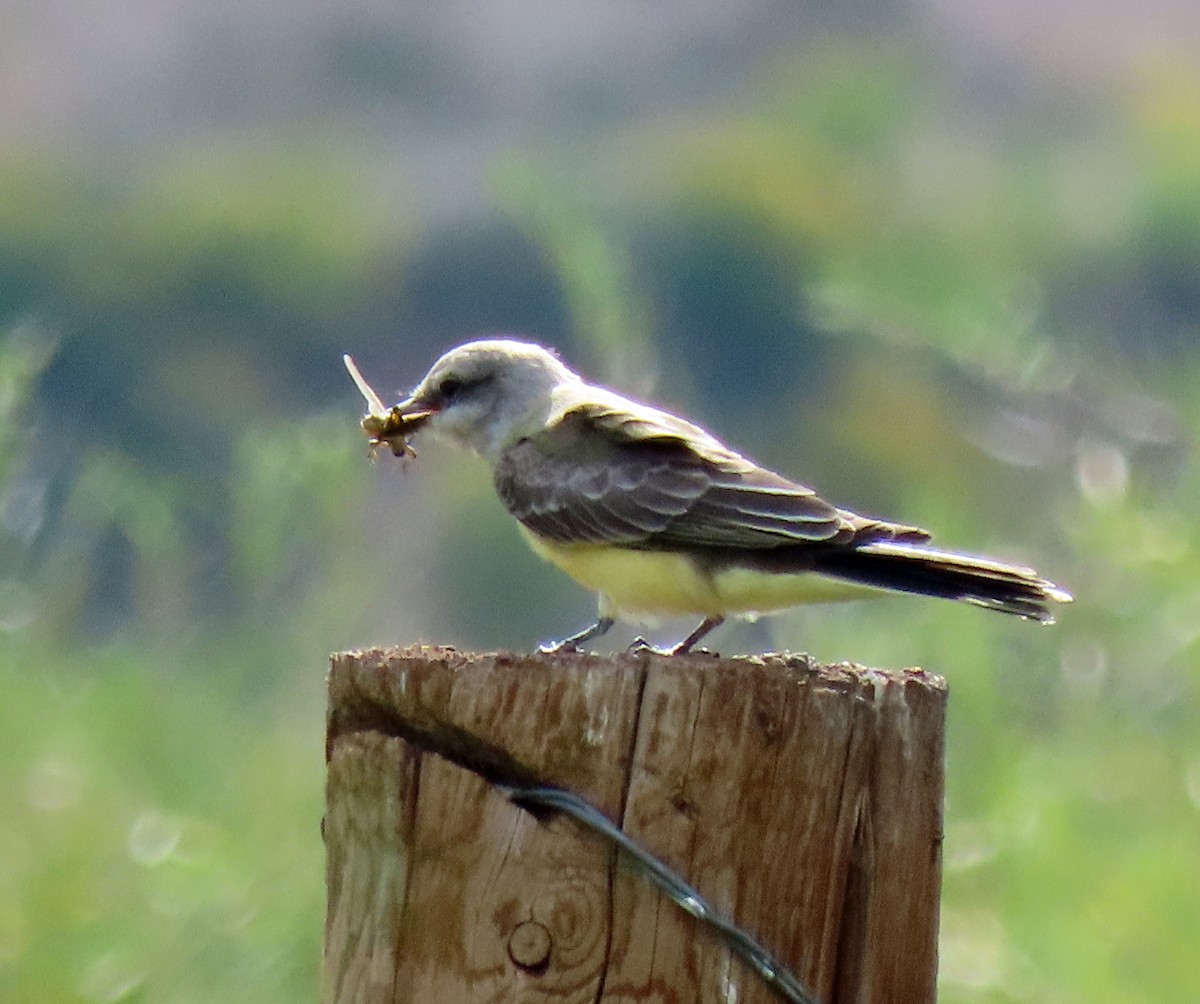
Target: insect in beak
(383,426)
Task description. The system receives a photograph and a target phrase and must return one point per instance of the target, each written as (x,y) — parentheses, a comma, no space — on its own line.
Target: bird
(661,519)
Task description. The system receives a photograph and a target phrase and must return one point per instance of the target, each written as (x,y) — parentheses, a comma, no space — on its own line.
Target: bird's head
(485,395)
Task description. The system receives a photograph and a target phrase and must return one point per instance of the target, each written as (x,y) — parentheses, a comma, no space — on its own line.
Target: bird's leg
(705,626)
(683,647)
(572,642)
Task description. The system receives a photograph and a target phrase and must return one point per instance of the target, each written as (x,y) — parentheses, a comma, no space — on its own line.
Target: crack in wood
(613,861)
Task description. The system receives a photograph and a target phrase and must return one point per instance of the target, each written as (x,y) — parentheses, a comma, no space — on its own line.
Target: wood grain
(803,801)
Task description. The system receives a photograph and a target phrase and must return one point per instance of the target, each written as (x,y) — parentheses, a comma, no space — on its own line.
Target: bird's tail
(914,568)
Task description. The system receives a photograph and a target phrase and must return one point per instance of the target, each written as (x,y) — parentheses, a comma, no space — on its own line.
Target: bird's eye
(449,387)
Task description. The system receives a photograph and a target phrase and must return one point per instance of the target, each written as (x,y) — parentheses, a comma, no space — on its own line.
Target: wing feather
(636,477)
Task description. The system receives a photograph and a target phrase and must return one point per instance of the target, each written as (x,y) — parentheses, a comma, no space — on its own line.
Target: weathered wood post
(804,801)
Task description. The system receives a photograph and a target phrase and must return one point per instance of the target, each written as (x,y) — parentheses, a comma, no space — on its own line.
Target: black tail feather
(913,568)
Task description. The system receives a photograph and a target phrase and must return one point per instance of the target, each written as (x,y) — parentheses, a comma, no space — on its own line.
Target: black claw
(640,646)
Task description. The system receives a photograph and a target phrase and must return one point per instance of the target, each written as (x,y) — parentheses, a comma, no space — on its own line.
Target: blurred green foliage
(989,329)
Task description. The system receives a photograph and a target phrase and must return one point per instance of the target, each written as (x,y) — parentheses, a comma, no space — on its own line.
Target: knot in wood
(529,945)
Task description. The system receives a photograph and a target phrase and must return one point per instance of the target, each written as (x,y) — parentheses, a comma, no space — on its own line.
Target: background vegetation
(943,265)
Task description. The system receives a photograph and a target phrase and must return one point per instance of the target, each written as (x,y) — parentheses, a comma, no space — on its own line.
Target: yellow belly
(666,584)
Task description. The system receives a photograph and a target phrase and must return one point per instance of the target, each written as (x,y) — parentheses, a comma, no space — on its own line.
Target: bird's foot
(640,646)
(684,647)
(572,642)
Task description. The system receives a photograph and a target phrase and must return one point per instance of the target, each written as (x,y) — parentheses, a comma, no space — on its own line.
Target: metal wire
(684,895)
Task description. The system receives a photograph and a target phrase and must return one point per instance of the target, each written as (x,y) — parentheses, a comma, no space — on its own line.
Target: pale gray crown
(490,393)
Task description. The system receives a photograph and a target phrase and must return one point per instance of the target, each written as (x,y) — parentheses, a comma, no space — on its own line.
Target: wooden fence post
(804,801)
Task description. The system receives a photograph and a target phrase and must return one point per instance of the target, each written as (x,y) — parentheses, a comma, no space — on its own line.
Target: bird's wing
(611,472)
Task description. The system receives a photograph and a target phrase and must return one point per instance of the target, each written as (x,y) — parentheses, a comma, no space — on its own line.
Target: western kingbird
(658,517)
